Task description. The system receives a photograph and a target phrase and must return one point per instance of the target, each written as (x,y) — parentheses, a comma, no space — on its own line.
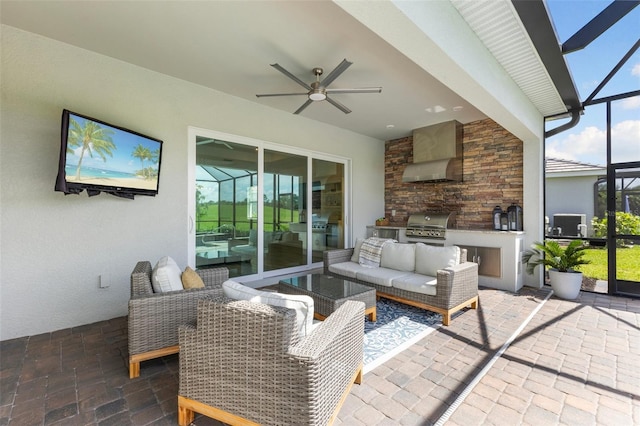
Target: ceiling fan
(318,90)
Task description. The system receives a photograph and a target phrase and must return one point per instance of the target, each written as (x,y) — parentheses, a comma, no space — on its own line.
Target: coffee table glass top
(327,286)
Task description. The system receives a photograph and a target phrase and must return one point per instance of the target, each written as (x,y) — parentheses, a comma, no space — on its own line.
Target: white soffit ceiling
(498,26)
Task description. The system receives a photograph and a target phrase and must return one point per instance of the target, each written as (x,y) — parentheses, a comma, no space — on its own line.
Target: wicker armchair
(243,363)
(154,317)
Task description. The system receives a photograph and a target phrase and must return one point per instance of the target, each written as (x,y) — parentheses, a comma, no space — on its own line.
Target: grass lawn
(628,260)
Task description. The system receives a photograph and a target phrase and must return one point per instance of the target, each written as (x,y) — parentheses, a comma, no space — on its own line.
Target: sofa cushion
(379,276)
(303,305)
(165,276)
(348,269)
(356,250)
(431,258)
(191,279)
(417,283)
(401,257)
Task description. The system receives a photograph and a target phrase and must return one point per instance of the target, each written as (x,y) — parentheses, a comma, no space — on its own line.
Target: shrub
(626,223)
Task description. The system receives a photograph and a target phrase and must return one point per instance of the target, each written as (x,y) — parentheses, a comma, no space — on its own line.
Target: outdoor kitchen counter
(500,254)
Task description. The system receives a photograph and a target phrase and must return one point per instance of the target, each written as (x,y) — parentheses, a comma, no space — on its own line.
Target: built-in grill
(427,226)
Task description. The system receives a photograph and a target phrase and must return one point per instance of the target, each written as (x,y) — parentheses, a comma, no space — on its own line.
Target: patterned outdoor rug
(398,326)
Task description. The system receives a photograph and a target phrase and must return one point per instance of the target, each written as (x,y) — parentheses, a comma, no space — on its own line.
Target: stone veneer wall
(492,175)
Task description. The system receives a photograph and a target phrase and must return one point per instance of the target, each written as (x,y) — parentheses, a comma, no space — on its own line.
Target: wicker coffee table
(328,293)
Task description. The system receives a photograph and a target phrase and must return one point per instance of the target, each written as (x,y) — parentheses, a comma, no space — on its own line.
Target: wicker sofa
(154,317)
(245,363)
(449,290)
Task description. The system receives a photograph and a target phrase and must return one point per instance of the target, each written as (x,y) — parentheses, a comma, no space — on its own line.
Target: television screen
(100,157)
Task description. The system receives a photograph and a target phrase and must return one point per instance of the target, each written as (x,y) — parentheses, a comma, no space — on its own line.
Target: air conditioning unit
(570,225)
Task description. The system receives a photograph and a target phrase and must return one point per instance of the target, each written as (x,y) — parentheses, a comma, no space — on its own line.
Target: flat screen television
(99,157)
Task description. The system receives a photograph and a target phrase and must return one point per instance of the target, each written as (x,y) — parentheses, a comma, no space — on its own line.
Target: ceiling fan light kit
(318,90)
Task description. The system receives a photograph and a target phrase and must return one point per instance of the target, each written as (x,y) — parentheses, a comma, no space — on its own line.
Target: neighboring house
(570,189)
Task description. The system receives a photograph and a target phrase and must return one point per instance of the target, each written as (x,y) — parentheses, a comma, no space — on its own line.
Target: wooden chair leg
(134,369)
(474,304)
(185,415)
(358,379)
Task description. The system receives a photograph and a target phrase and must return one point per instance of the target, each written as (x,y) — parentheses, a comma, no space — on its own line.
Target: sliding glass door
(260,209)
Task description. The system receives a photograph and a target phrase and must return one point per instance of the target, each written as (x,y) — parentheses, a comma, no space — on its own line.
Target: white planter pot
(565,285)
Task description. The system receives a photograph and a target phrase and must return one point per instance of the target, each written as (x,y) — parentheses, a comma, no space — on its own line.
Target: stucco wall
(54,247)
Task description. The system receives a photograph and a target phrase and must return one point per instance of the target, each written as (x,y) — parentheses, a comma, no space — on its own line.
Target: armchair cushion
(429,259)
(190,279)
(302,305)
(166,276)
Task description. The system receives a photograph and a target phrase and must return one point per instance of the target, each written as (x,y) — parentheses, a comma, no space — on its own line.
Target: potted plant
(383,221)
(562,263)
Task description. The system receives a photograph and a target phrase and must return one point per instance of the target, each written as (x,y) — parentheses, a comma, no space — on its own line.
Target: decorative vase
(565,285)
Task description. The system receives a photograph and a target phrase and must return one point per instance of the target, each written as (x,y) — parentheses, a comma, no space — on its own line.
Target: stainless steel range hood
(437,154)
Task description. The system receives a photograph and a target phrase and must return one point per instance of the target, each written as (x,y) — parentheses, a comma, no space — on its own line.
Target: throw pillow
(191,279)
(165,276)
(431,258)
(303,305)
(356,250)
(399,256)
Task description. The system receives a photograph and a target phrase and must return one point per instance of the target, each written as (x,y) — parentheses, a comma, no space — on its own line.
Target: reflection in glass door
(226,206)
(285,177)
(327,207)
(258,209)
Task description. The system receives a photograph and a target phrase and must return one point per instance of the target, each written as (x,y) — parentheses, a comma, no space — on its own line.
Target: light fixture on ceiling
(317,92)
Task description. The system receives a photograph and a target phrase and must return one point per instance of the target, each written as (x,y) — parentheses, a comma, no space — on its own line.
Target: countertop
(462,231)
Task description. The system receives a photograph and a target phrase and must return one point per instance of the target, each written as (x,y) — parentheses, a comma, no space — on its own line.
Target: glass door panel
(327,207)
(226,225)
(285,177)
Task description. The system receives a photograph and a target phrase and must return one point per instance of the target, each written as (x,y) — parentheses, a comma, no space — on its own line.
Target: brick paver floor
(566,362)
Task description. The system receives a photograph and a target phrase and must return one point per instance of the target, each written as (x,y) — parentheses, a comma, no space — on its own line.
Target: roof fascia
(536,20)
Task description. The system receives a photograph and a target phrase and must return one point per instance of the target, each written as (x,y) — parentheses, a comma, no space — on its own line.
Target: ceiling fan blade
(304,105)
(338,105)
(361,90)
(291,76)
(342,66)
(280,94)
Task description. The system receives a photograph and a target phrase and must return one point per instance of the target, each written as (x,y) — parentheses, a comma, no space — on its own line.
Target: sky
(586,142)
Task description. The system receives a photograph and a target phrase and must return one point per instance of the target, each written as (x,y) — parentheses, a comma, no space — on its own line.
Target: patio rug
(398,326)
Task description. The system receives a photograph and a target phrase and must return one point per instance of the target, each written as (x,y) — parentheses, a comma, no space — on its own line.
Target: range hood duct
(437,154)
